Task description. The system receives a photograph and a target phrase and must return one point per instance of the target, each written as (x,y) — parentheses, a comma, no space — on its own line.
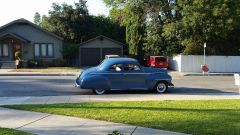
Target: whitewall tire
(99,91)
(161,87)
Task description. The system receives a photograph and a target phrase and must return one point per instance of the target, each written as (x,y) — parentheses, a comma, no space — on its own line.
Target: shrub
(58,63)
(20,64)
(18,54)
(41,63)
(115,132)
(31,63)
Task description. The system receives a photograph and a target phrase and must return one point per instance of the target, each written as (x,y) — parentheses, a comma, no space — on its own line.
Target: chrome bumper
(76,84)
(170,85)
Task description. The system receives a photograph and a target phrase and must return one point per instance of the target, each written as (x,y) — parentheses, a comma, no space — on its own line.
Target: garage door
(90,56)
(106,51)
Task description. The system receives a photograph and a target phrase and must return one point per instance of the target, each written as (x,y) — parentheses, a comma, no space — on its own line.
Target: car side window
(131,67)
(116,67)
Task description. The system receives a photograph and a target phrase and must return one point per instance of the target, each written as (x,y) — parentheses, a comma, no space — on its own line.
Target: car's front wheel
(99,91)
(161,87)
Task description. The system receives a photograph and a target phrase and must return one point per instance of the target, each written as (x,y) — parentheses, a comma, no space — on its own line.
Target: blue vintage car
(123,74)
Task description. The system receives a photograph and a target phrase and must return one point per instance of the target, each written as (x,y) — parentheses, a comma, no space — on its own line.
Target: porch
(7,64)
(9,44)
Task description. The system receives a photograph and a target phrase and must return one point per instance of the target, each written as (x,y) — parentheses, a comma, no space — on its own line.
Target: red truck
(156,61)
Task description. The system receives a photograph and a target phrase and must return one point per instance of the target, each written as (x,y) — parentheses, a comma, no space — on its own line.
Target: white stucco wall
(192,63)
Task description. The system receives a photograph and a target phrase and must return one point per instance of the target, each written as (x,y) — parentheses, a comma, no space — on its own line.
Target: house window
(4,50)
(37,50)
(43,50)
(50,50)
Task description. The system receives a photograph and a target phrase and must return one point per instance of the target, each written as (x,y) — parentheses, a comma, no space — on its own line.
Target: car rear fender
(95,82)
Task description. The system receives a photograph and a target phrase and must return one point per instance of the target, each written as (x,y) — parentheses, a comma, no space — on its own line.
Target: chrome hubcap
(99,91)
(161,87)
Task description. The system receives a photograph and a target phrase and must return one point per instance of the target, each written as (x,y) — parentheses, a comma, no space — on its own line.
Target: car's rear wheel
(99,91)
(161,87)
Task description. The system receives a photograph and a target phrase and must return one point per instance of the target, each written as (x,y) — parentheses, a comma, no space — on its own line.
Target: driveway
(16,86)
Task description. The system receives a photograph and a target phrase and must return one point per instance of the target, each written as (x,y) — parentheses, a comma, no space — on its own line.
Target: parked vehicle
(156,61)
(111,56)
(123,74)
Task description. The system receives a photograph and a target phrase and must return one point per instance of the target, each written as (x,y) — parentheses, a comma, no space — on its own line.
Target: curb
(210,74)
(39,74)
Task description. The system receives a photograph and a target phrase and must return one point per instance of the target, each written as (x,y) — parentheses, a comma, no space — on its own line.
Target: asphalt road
(11,86)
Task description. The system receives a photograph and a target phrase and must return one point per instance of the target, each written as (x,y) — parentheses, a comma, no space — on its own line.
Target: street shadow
(178,90)
(65,87)
(201,91)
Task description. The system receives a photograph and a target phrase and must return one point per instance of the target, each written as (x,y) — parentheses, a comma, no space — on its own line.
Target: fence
(192,63)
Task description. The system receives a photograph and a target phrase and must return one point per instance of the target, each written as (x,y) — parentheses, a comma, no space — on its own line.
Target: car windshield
(100,66)
(161,59)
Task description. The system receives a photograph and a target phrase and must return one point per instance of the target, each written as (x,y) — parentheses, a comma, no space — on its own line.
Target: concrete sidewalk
(110,97)
(38,74)
(48,124)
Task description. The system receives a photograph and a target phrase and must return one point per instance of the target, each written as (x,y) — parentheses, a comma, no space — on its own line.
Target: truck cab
(156,61)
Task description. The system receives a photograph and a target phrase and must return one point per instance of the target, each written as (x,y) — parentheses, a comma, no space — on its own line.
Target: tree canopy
(37,18)
(153,27)
(75,24)
(179,26)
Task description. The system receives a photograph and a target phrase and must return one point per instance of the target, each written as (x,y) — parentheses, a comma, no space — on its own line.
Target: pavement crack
(47,100)
(78,127)
(68,100)
(134,130)
(33,121)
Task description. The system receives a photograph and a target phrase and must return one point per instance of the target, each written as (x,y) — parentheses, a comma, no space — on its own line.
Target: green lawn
(6,131)
(219,117)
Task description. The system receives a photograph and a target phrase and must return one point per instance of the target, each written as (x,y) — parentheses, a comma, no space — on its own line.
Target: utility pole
(204,53)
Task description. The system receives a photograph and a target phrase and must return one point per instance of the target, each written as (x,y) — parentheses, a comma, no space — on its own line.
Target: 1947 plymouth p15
(123,74)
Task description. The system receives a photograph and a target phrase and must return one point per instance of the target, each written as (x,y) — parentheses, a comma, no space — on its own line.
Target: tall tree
(134,21)
(207,21)
(68,21)
(37,18)
(175,26)
(74,23)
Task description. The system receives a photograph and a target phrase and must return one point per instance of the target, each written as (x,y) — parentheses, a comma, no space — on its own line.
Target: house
(32,41)
(93,51)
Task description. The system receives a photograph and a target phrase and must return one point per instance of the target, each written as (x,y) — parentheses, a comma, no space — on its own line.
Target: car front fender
(153,79)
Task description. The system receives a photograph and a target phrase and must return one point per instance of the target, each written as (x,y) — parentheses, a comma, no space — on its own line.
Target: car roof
(122,60)
(109,62)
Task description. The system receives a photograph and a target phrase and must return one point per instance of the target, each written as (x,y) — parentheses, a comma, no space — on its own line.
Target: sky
(11,10)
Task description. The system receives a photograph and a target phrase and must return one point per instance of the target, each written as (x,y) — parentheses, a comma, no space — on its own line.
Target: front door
(16,48)
(134,77)
(115,76)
